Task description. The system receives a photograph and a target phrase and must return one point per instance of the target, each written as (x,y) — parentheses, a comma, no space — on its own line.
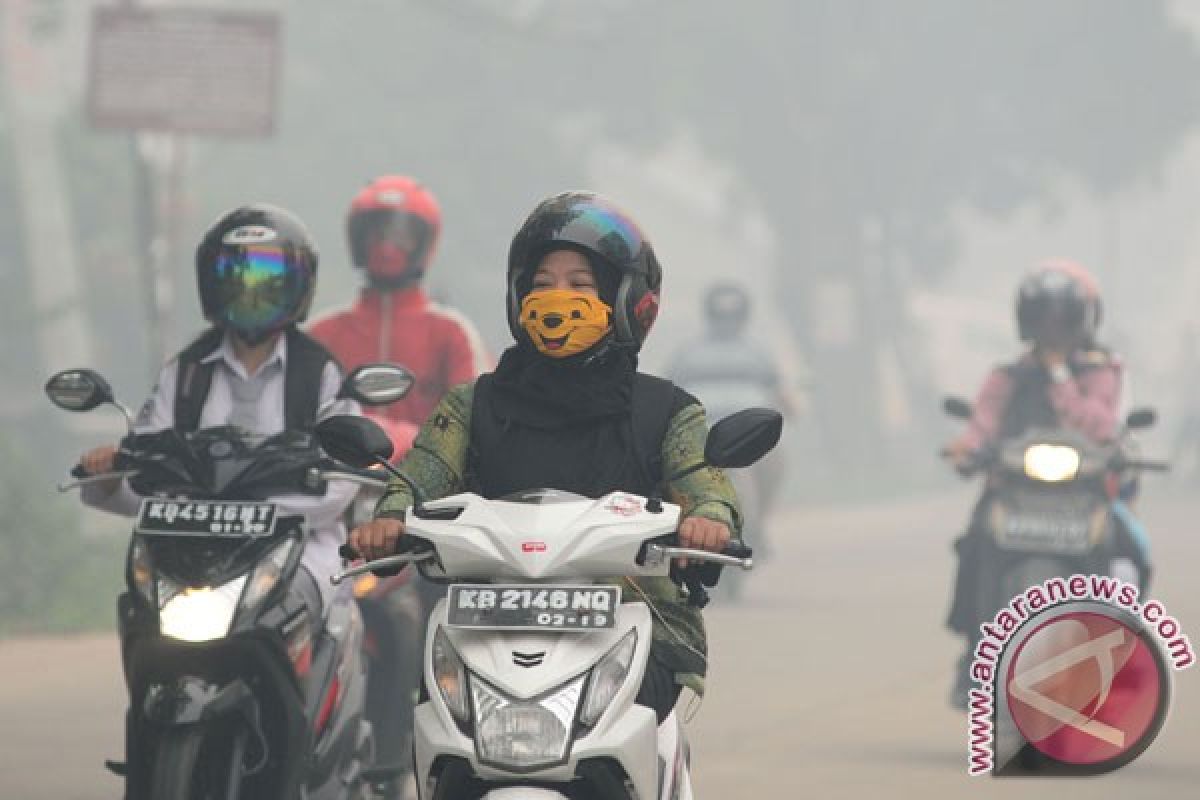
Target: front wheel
(1027,573)
(194,764)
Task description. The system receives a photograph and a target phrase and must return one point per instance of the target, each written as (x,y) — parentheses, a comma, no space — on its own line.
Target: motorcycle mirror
(957,407)
(377,384)
(356,441)
(79,390)
(743,438)
(1141,418)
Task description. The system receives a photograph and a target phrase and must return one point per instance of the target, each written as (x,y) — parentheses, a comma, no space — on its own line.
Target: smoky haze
(878,176)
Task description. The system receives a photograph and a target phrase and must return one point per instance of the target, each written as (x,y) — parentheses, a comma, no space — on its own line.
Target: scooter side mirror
(743,438)
(377,384)
(356,441)
(79,390)
(1141,418)
(956,407)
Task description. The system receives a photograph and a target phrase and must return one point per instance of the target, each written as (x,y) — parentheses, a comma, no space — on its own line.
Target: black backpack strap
(306,360)
(194,379)
(653,407)
(484,429)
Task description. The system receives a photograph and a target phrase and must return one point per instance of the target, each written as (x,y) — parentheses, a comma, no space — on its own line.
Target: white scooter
(532,660)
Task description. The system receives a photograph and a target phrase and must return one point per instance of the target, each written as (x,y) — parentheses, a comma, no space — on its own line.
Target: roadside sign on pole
(183,70)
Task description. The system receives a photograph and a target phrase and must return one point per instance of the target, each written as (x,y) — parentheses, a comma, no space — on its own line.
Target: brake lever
(98,478)
(352,477)
(381,563)
(657,554)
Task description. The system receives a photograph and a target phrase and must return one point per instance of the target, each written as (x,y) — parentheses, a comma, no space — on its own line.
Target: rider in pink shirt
(1065,379)
(1085,398)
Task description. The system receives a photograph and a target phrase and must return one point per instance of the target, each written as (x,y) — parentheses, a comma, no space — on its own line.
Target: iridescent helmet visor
(604,229)
(258,288)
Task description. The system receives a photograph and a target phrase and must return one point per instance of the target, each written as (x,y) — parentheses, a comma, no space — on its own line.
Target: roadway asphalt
(830,680)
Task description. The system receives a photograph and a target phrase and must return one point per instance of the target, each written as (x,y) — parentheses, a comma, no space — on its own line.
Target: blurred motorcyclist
(392,229)
(1065,378)
(256,270)
(727,369)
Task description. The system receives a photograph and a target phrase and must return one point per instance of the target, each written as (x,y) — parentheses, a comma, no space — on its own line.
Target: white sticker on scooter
(623,505)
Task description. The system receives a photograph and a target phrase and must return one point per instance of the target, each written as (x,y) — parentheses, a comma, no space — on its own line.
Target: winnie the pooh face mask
(563,322)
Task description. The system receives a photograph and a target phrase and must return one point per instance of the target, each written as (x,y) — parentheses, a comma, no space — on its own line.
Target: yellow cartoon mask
(563,322)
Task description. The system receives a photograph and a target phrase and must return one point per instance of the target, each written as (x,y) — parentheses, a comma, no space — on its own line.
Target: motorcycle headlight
(524,734)
(450,676)
(266,575)
(1051,463)
(607,678)
(166,589)
(201,615)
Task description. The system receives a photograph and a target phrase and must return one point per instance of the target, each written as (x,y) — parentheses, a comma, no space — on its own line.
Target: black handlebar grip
(78,472)
(349,553)
(738,549)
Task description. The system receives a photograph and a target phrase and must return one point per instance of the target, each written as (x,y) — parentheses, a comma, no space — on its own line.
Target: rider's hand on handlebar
(699,533)
(377,538)
(98,461)
(959,453)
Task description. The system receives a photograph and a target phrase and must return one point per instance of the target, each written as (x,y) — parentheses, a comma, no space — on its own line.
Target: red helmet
(392,228)
(1059,300)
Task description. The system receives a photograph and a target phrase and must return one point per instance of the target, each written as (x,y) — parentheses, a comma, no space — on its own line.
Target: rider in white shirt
(256,270)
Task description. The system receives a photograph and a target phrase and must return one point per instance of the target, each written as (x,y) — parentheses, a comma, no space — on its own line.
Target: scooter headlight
(267,574)
(607,678)
(450,676)
(201,615)
(524,734)
(1051,463)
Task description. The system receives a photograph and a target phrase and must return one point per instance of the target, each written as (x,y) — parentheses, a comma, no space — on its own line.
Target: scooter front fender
(189,700)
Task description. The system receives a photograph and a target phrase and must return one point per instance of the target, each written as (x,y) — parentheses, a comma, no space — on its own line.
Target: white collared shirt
(256,403)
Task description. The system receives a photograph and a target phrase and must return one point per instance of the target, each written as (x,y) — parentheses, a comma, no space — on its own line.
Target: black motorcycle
(1049,507)
(235,692)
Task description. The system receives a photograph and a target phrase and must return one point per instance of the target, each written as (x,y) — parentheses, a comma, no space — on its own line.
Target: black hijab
(536,391)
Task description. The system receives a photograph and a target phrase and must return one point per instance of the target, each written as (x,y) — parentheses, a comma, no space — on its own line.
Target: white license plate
(1046,533)
(206,518)
(533,607)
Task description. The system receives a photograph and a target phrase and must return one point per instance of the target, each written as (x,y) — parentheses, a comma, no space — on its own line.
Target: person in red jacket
(392,229)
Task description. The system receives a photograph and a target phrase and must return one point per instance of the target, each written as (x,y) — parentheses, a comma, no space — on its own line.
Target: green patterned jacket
(437,463)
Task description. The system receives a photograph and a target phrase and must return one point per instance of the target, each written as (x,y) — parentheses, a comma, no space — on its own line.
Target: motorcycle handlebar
(975,462)
(97,478)
(365,477)
(412,549)
(407,543)
(387,562)
(736,553)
